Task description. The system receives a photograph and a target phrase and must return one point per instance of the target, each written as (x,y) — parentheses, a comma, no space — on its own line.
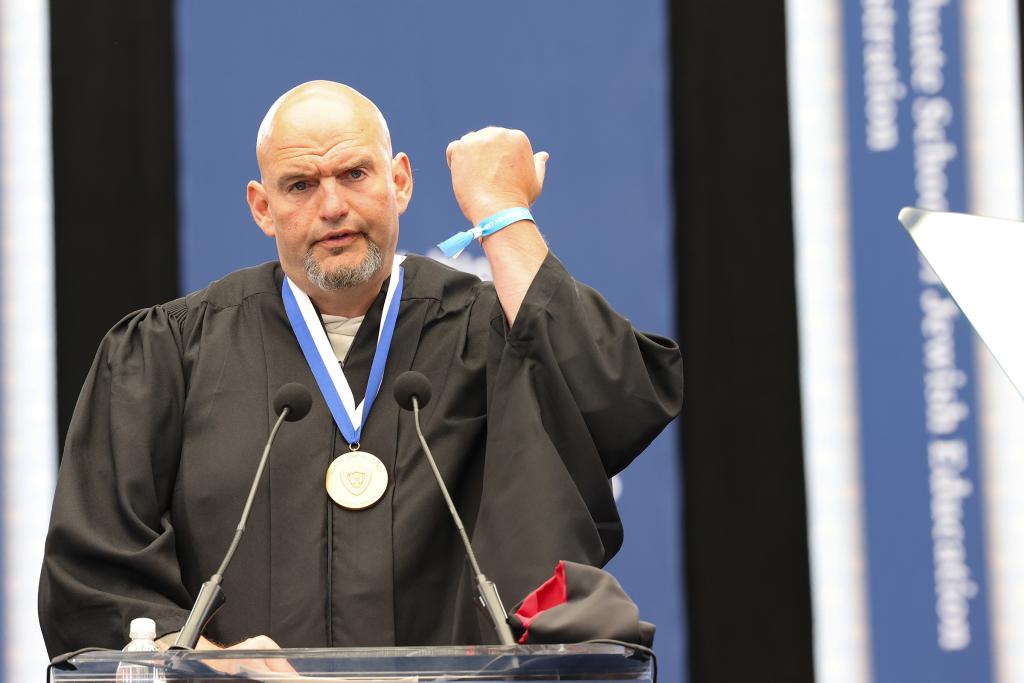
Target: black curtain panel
(115,196)
(747,571)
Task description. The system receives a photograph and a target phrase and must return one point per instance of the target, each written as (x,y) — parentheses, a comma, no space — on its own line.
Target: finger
(205,644)
(448,152)
(280,665)
(540,164)
(266,643)
(256,643)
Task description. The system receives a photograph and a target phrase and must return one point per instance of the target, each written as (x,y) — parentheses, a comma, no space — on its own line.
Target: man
(541,393)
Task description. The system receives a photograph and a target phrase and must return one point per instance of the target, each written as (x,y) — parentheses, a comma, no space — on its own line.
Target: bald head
(330,193)
(315,105)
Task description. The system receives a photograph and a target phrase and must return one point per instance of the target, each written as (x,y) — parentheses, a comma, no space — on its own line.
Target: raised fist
(494,169)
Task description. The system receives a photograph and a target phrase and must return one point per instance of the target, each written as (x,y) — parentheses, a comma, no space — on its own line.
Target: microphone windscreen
(409,384)
(296,397)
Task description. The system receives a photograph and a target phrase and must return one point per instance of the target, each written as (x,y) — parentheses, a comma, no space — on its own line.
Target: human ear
(256,195)
(401,176)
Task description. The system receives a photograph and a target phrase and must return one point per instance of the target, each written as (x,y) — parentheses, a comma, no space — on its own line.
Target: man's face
(331,194)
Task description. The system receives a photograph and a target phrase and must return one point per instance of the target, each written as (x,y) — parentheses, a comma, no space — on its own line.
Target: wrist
(489,225)
(481,211)
(509,232)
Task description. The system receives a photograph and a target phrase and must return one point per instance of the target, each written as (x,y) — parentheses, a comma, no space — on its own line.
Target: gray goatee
(344,277)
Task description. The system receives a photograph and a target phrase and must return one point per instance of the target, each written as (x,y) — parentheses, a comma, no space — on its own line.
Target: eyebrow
(362,160)
(357,161)
(287,180)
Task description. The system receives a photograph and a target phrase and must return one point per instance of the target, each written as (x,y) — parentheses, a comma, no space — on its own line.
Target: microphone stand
(211,595)
(487,592)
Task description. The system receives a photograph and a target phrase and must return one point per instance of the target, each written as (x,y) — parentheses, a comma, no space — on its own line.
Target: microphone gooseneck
(291,403)
(412,391)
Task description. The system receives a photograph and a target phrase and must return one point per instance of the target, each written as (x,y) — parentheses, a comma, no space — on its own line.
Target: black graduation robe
(527,426)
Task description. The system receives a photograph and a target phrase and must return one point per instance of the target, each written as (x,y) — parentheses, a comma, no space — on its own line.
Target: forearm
(495,169)
(515,255)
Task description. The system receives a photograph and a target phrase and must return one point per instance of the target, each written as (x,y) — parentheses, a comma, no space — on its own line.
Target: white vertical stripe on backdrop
(991,56)
(28,451)
(827,350)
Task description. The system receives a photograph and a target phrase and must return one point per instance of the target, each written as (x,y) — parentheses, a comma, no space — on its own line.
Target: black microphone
(411,385)
(291,402)
(295,398)
(412,392)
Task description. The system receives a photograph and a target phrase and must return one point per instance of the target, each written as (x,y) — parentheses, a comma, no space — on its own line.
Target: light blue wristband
(454,245)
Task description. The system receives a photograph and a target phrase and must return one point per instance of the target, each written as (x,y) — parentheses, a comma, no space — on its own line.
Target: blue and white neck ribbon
(327,371)
(454,245)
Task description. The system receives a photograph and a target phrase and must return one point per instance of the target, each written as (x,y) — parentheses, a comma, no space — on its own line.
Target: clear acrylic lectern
(583,662)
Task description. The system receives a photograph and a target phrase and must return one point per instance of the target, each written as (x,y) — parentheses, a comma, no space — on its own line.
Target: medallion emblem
(356,480)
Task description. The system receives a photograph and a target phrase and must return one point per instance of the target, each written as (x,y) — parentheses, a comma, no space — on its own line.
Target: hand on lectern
(247,666)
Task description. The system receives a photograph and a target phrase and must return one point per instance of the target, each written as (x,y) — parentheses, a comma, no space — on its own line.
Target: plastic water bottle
(143,639)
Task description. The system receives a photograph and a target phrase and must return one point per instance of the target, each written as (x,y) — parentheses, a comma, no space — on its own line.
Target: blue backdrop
(586,80)
(922,491)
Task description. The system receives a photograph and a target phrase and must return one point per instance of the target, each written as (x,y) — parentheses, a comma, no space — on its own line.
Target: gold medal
(356,480)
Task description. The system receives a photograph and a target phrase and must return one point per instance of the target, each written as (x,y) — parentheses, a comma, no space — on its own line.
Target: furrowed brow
(284,181)
(361,161)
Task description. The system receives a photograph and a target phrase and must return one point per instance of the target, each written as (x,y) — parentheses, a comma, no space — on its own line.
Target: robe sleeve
(587,364)
(575,393)
(110,551)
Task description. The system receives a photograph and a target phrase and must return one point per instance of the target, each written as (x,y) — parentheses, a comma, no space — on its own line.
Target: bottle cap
(142,628)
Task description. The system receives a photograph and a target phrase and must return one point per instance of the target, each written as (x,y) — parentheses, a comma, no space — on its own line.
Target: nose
(333,204)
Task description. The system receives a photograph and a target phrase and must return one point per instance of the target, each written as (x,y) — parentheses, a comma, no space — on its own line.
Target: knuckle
(254,643)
